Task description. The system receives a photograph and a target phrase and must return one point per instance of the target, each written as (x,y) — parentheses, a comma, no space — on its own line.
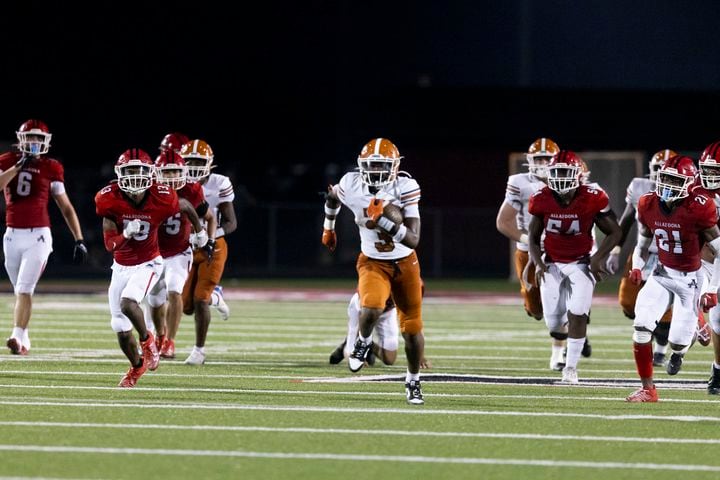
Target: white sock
(18,333)
(366,340)
(199,349)
(557,352)
(409,377)
(574,349)
(661,348)
(26,339)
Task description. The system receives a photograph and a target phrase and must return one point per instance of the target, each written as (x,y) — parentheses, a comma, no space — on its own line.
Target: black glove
(209,249)
(80,252)
(26,157)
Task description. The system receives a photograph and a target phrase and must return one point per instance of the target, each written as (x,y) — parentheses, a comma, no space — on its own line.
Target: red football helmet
(657,161)
(134,169)
(710,166)
(173,141)
(379,162)
(170,170)
(564,171)
(675,177)
(34,137)
(539,154)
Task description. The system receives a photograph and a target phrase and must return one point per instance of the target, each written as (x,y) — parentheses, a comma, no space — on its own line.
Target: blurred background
(287,93)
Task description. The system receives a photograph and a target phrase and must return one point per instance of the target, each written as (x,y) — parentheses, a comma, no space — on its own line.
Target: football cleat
(659,359)
(703,331)
(643,395)
(132,376)
(168,349)
(222,307)
(714,382)
(159,340)
(675,364)
(338,354)
(587,348)
(196,357)
(570,376)
(150,353)
(357,358)
(16,348)
(413,393)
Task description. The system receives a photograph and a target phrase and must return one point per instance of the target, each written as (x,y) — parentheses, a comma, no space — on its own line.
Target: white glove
(613,262)
(131,229)
(199,239)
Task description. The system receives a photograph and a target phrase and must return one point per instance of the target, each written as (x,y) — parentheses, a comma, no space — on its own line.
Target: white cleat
(222,307)
(196,357)
(569,376)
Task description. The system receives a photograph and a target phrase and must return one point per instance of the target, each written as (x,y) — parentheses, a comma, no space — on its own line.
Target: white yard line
(361,458)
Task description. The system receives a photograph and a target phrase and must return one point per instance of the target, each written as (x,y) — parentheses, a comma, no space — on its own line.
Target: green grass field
(267,404)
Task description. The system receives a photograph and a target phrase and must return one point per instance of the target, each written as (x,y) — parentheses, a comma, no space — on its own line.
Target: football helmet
(34,137)
(379,162)
(675,177)
(173,141)
(198,158)
(710,167)
(170,170)
(134,170)
(657,160)
(564,171)
(539,154)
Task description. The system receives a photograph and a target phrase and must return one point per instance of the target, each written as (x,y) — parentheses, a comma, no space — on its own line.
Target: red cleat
(168,349)
(703,331)
(16,348)
(150,353)
(159,340)
(132,375)
(643,395)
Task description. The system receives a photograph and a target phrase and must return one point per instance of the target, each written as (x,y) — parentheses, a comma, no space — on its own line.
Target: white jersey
(520,187)
(638,187)
(355,195)
(218,189)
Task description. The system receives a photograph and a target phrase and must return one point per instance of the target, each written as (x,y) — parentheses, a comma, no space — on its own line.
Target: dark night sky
(293,82)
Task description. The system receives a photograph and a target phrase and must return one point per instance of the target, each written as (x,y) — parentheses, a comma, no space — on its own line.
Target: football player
(565,212)
(202,289)
(173,142)
(175,241)
(132,209)
(678,219)
(628,291)
(387,263)
(29,178)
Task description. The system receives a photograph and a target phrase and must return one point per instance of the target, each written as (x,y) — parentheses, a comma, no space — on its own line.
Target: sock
(643,359)
(199,349)
(26,339)
(409,377)
(557,352)
(574,349)
(661,348)
(365,340)
(214,299)
(18,333)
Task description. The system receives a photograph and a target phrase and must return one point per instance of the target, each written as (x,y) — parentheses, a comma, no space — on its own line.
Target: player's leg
(155,308)
(353,324)
(579,288)
(387,331)
(122,326)
(683,328)
(531,298)
(176,273)
(555,314)
(373,290)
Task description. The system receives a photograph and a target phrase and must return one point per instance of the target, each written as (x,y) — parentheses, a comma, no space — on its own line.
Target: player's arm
(332,208)
(607,223)
(507,225)
(7,175)
(626,222)
(207,214)
(187,209)
(408,233)
(640,254)
(227,214)
(68,212)
(114,239)
(712,237)
(535,230)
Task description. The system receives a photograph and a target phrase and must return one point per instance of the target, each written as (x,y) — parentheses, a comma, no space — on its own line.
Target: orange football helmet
(379,162)
(657,161)
(538,156)
(198,158)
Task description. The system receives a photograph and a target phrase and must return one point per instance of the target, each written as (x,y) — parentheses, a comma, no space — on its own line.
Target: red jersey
(27,195)
(677,233)
(159,203)
(174,233)
(568,228)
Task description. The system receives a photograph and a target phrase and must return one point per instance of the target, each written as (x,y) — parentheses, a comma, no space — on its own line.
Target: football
(391,212)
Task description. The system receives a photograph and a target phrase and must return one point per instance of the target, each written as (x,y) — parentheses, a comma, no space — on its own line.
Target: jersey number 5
(555,226)
(663,240)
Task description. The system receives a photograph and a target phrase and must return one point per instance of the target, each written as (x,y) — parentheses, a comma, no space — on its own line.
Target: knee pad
(642,336)
(412,326)
(559,335)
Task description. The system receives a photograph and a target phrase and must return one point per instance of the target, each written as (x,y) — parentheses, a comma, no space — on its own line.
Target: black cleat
(359,355)
(659,359)
(714,382)
(371,357)
(413,393)
(338,354)
(587,348)
(675,364)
